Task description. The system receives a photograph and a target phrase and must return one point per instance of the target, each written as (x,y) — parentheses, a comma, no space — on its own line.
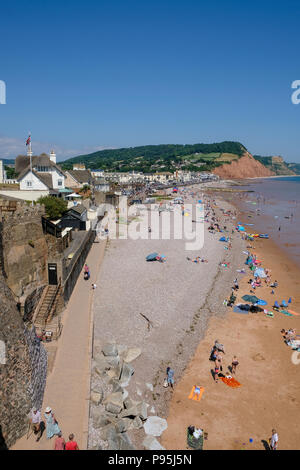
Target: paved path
(67,389)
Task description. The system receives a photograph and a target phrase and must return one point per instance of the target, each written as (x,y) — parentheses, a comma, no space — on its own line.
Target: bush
(54,206)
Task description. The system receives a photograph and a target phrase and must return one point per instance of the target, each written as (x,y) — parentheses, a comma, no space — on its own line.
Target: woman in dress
(52,427)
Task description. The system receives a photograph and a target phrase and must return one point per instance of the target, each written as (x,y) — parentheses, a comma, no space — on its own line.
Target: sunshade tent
(74,195)
(223,239)
(152,257)
(250,298)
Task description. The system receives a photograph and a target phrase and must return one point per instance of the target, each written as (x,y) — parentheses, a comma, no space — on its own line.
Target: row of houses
(43,174)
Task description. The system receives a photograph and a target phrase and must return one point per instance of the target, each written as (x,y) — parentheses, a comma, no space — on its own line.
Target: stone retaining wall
(22,372)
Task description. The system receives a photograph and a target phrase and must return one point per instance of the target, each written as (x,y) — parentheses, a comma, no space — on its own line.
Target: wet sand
(270,393)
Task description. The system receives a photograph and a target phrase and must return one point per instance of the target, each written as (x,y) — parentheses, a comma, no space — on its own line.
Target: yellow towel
(197,396)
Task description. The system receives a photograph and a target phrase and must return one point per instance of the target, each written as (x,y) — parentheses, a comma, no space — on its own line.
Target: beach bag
(165,382)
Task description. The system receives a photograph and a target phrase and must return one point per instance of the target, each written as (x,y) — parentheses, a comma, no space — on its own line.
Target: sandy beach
(178,297)
(270,391)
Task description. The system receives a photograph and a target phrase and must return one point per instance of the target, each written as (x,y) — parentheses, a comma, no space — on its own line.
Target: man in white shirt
(35,419)
(274,440)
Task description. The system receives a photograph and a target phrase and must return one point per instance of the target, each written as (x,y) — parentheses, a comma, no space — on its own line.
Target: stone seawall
(23,369)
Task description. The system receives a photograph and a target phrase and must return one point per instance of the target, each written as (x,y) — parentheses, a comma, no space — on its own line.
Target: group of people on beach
(217,358)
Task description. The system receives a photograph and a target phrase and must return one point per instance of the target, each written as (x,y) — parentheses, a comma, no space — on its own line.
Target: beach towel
(269,314)
(239,310)
(231,382)
(285,312)
(198,395)
(294,313)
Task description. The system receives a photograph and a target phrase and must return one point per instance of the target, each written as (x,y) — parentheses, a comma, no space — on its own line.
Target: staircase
(46,316)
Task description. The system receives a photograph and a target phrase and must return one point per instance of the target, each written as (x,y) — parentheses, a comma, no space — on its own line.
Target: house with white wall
(40,173)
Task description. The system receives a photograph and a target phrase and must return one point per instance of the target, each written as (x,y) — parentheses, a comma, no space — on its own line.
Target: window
(29,184)
(59,182)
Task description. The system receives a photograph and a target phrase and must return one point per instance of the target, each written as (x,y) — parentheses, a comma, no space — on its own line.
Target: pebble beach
(161,308)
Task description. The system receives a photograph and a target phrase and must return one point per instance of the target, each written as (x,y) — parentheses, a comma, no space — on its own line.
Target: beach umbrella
(284,304)
(250,298)
(152,257)
(276,304)
(261,302)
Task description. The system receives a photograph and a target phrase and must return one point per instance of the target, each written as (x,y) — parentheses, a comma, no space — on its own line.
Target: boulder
(101,362)
(126,374)
(142,411)
(131,354)
(116,387)
(96,397)
(110,349)
(150,387)
(155,426)
(152,444)
(125,443)
(108,432)
(133,411)
(99,421)
(113,361)
(137,423)
(115,398)
(114,409)
(114,373)
(129,402)
(123,424)
(121,349)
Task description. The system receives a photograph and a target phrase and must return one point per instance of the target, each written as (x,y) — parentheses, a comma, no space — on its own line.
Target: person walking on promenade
(234,364)
(52,427)
(170,376)
(71,444)
(35,420)
(59,443)
(274,440)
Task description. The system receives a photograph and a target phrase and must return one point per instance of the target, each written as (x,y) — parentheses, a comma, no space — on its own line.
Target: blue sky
(94,74)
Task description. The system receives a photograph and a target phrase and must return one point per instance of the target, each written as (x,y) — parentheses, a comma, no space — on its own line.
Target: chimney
(53,156)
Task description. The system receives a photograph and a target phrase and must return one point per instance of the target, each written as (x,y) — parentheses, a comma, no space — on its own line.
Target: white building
(40,173)
(2,175)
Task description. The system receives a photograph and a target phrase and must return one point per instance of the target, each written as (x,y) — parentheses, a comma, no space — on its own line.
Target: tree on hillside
(54,206)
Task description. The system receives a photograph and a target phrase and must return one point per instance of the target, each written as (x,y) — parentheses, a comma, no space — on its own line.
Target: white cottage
(41,174)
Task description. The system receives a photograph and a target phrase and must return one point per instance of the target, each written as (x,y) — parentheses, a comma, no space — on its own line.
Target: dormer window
(42,168)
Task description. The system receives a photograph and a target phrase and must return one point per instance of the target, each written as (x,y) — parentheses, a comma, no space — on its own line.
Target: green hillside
(295,167)
(275,164)
(168,157)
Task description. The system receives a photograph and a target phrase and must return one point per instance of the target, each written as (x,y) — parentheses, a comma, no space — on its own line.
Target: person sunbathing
(288,335)
(197,391)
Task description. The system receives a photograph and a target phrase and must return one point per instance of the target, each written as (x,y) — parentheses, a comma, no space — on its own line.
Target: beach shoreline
(267,373)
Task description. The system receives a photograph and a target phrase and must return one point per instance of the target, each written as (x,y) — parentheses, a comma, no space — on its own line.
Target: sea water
(274,208)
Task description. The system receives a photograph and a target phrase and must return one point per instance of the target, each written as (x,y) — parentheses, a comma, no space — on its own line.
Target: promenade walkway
(68,385)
